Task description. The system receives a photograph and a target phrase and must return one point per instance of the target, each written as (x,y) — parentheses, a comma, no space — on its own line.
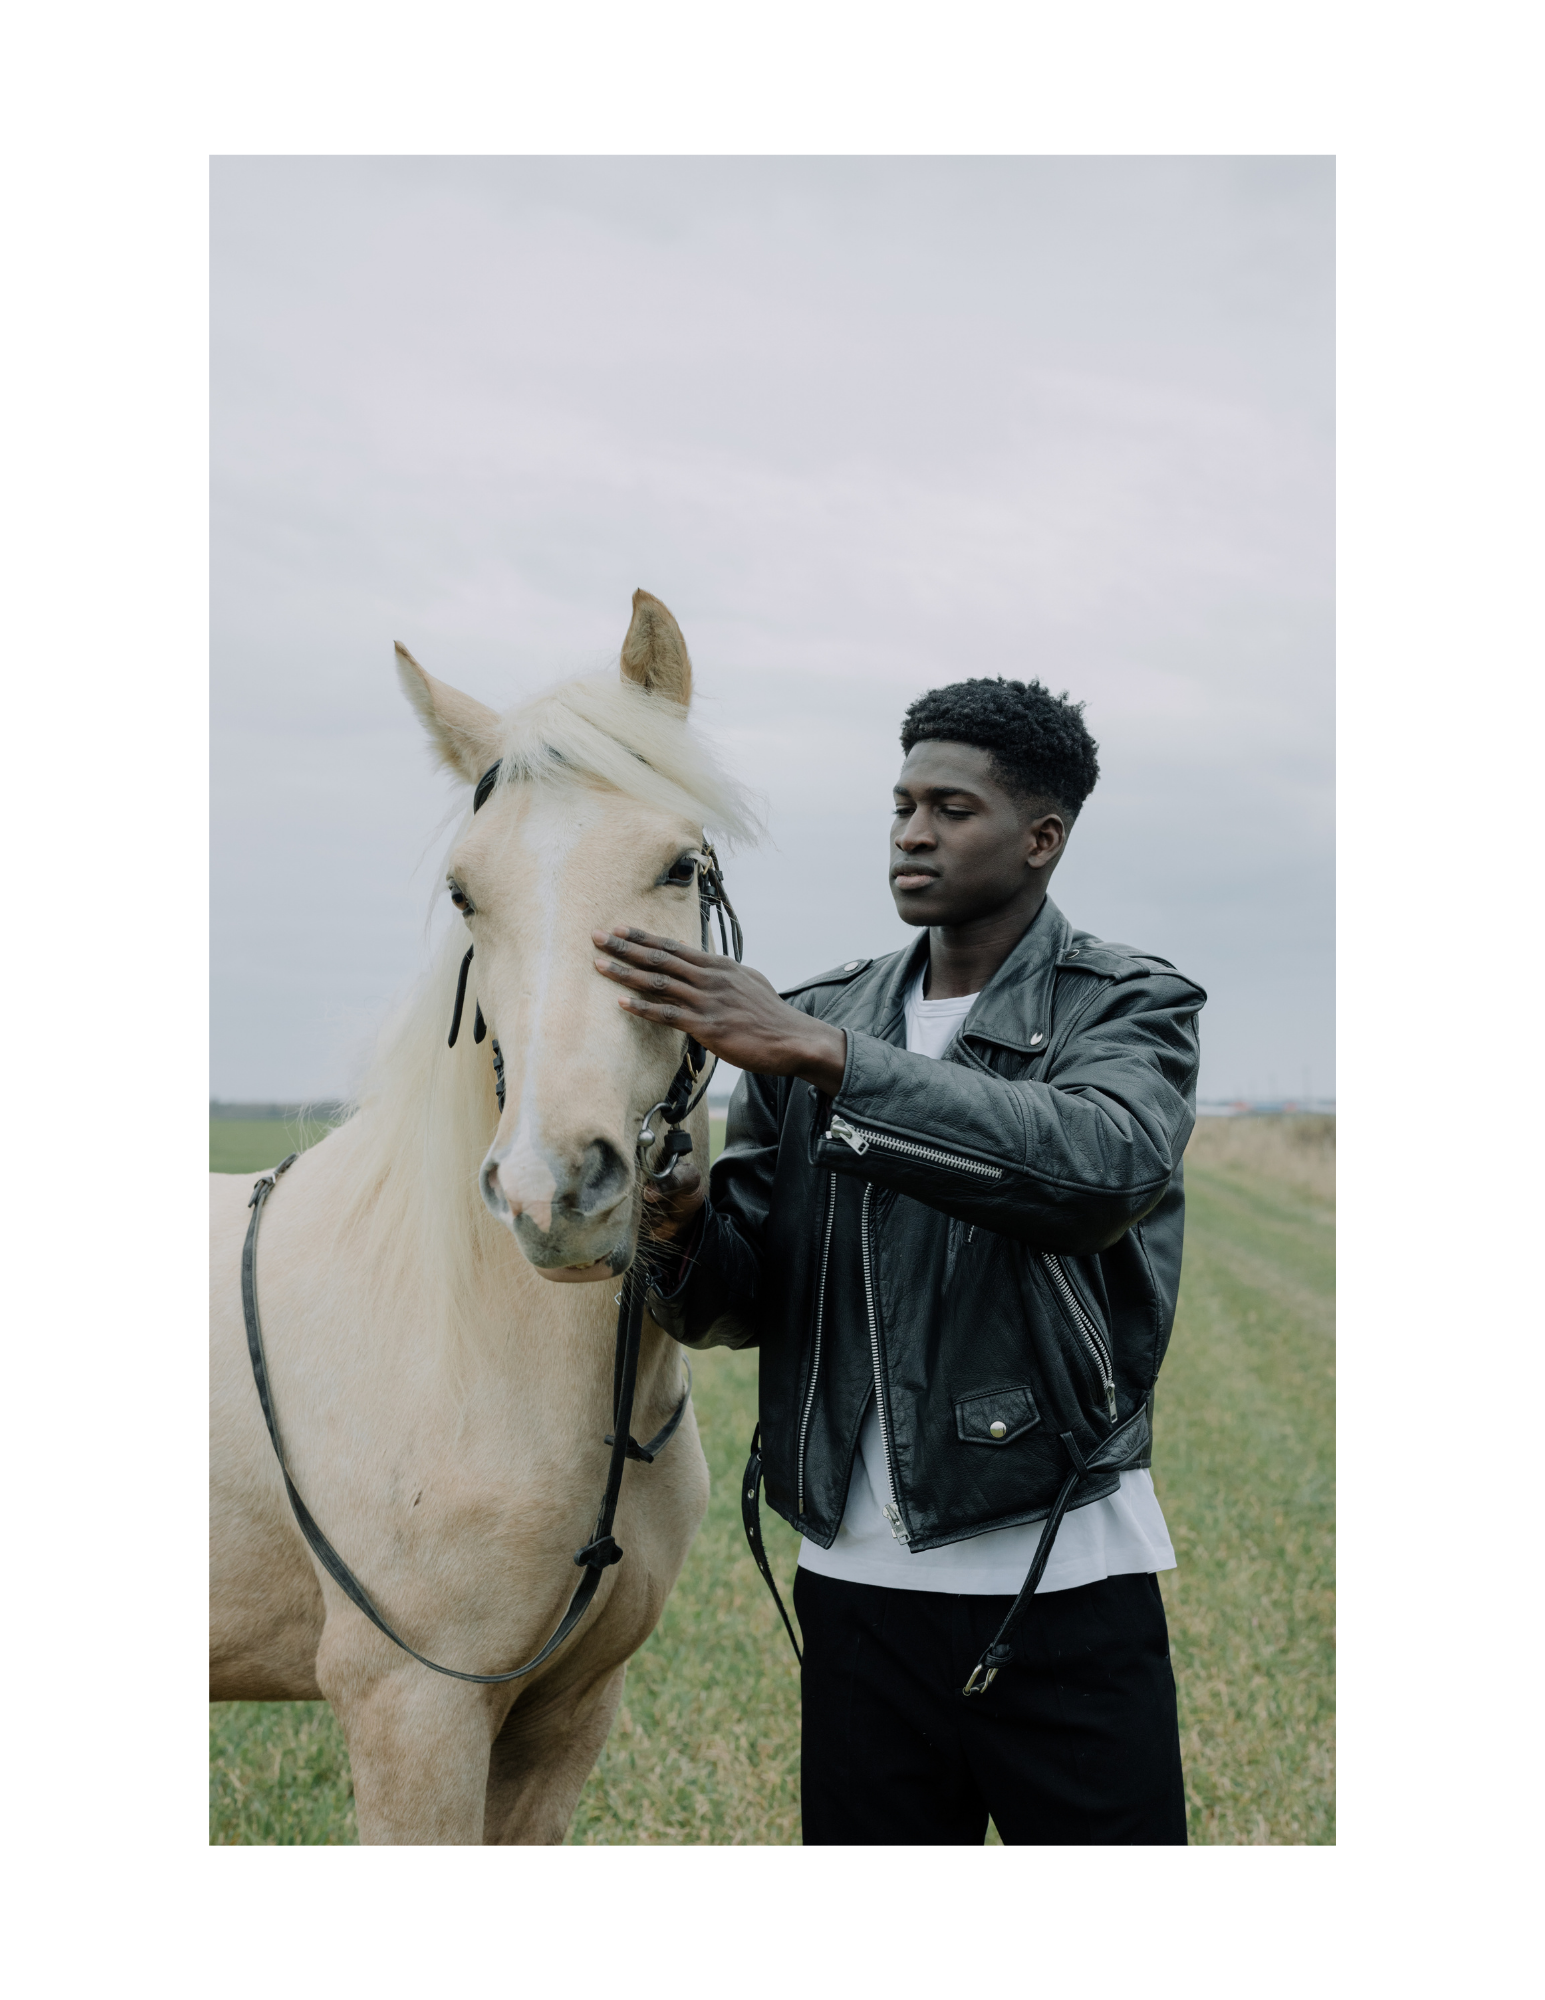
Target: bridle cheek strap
(601,1551)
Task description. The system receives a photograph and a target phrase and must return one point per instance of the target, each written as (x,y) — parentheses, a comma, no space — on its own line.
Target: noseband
(601,1551)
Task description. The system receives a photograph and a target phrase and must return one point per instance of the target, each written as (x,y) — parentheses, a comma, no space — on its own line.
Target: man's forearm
(823,1057)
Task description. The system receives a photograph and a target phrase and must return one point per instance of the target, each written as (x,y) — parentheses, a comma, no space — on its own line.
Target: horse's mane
(423,1115)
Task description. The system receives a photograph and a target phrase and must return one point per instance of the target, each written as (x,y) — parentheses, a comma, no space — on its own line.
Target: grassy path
(706,1745)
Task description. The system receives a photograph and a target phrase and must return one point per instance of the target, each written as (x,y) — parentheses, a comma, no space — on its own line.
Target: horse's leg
(418,1750)
(541,1759)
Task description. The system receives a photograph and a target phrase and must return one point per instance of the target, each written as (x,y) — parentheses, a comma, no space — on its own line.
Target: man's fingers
(684,1180)
(656,985)
(637,947)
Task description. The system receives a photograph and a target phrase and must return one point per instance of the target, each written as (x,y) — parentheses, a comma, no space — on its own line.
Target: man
(949,1213)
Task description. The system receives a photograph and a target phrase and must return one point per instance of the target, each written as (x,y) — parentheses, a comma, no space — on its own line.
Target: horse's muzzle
(576,1225)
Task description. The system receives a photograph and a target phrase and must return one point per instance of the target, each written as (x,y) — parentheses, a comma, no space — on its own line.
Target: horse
(438,1279)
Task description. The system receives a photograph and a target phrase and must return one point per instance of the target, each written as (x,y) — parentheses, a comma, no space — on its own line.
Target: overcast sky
(866,425)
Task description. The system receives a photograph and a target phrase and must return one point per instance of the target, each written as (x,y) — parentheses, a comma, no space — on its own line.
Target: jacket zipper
(861,1140)
(1087,1327)
(815,1365)
(892,1510)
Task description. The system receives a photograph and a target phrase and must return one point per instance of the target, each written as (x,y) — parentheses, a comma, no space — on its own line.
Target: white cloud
(866,425)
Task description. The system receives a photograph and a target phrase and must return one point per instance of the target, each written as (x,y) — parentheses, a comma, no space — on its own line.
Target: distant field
(706,1745)
(252,1145)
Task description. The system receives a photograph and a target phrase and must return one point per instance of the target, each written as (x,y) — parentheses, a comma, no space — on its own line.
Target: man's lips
(912,878)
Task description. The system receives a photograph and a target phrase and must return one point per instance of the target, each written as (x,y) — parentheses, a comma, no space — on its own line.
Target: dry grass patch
(1297,1150)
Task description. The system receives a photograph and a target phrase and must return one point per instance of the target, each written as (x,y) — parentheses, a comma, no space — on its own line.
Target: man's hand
(727,1007)
(671,1207)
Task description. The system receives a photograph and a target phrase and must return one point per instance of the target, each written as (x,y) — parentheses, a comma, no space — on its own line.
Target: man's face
(962,846)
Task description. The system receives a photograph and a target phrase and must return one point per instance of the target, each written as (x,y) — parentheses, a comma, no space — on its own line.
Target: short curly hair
(1037,740)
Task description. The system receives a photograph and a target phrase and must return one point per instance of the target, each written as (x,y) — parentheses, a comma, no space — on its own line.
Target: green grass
(252,1145)
(706,1744)
(1244,1464)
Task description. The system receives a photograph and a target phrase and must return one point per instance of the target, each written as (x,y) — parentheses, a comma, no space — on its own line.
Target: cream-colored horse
(443,1404)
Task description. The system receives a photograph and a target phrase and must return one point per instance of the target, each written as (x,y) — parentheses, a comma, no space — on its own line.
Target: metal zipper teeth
(861,1141)
(1090,1333)
(815,1365)
(897,1526)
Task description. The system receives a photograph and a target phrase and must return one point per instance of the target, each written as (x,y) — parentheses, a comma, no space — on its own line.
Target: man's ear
(1048,838)
(465,734)
(654,653)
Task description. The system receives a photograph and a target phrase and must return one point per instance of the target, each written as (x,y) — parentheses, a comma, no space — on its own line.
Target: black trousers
(1075,1744)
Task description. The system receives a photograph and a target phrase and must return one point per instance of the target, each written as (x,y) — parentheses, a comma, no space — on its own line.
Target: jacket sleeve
(1066,1162)
(712,1304)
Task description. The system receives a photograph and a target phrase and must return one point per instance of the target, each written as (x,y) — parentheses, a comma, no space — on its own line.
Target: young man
(949,1214)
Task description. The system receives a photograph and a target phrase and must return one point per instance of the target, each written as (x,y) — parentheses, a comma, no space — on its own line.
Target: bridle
(601,1551)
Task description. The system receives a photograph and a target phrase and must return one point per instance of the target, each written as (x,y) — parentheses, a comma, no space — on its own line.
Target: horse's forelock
(605,728)
(425,1113)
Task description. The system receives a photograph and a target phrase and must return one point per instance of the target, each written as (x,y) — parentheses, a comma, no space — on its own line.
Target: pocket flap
(995,1416)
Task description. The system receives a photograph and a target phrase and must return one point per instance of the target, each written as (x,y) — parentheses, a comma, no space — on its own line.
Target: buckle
(982,1678)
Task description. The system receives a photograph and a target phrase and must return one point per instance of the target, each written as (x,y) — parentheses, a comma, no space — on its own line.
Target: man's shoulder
(839,975)
(1098,958)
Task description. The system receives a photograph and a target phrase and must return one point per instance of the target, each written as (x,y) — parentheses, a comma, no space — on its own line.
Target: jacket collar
(888,1006)
(1013,1010)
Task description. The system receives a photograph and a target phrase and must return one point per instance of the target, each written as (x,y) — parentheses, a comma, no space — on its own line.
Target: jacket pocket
(995,1416)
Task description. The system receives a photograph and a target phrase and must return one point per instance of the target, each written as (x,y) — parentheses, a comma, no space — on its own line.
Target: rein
(601,1551)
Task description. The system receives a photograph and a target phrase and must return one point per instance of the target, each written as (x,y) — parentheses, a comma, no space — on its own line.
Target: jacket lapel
(1014,1011)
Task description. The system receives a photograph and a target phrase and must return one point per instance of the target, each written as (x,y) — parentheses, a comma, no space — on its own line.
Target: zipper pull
(892,1514)
(1110,1399)
(839,1128)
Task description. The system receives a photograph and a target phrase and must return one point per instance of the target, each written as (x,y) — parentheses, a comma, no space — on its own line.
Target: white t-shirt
(1111,1537)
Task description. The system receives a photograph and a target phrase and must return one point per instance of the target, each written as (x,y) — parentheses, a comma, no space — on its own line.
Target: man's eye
(681,872)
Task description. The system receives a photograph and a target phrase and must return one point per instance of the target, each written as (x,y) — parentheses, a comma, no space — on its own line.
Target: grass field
(706,1745)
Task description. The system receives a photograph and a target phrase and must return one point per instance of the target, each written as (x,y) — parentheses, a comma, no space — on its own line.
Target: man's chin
(916,906)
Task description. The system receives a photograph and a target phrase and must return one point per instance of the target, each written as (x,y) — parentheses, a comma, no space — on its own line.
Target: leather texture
(928,1244)
(995,1416)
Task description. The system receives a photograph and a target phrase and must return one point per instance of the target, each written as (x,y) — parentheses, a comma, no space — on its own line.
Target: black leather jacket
(989,1242)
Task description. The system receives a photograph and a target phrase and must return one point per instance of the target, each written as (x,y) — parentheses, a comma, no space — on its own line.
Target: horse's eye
(683,871)
(459,898)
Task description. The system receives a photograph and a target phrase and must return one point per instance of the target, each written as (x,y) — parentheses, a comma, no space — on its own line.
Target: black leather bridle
(601,1551)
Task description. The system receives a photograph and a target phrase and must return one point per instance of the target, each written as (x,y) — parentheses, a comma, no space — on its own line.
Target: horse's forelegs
(541,1759)
(418,1748)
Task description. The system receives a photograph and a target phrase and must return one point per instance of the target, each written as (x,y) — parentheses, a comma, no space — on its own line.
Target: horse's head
(595,818)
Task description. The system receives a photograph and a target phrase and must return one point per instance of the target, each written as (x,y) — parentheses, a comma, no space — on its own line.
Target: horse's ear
(654,653)
(465,734)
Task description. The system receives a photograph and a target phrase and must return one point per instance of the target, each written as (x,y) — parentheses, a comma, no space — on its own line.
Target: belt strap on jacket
(751,1520)
(1001,1651)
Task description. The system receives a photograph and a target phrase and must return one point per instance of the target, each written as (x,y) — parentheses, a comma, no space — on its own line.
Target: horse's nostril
(603,1179)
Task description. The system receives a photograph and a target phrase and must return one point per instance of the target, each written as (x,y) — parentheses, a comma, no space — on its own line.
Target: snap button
(1036,1038)
(852,965)
(998,1430)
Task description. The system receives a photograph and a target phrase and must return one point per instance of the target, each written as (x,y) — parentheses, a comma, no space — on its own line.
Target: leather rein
(601,1551)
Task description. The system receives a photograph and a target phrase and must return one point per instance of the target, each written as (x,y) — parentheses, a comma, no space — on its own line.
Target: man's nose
(912,835)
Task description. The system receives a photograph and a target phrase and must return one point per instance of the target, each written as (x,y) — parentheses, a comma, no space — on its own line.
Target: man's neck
(963,957)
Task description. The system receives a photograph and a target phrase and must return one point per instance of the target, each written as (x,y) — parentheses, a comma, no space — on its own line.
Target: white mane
(424,1114)
(608,728)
